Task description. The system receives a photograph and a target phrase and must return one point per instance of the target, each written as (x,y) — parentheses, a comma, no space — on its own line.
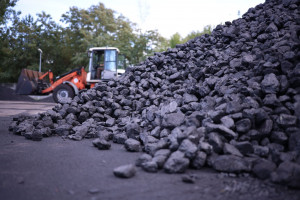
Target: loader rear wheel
(62,93)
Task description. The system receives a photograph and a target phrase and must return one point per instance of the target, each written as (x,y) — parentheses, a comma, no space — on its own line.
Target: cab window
(110,60)
(98,64)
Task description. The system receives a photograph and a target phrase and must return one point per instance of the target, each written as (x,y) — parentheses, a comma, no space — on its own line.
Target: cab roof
(104,48)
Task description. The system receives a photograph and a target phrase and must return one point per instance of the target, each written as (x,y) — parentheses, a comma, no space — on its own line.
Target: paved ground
(63,169)
(10,108)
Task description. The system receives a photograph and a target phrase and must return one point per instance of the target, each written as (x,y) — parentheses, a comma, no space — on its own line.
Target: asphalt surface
(12,108)
(55,168)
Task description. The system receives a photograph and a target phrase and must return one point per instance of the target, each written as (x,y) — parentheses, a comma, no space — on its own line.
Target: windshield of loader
(110,60)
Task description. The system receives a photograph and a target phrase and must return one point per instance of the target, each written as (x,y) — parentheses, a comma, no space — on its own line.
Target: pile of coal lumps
(229,101)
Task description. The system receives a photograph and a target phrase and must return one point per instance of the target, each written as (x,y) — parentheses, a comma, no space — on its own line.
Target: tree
(6,14)
(206,30)
(96,26)
(50,39)
(65,47)
(99,26)
(175,39)
(22,40)
(5,10)
(144,45)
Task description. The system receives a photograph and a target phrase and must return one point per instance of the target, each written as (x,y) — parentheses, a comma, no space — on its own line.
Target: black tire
(63,92)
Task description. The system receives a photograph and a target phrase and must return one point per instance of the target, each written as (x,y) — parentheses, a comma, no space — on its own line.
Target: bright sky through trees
(167,16)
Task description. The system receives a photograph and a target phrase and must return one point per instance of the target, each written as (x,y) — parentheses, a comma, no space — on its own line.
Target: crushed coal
(229,100)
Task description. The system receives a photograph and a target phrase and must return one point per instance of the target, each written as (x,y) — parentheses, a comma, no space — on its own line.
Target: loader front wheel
(62,92)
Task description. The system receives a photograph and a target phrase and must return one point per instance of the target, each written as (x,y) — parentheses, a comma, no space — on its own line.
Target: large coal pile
(229,100)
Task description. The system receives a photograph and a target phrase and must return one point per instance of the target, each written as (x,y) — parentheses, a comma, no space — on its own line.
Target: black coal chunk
(125,171)
(231,163)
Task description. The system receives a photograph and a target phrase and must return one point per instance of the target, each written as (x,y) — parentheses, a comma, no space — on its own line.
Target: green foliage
(5,9)
(5,51)
(99,26)
(177,39)
(65,47)
(24,37)
(206,30)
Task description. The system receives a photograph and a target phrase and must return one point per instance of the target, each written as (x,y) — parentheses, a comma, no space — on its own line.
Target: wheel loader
(104,64)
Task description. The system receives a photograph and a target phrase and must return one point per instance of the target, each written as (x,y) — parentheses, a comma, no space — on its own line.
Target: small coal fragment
(199,160)
(231,164)
(287,173)
(125,171)
(263,168)
(161,156)
(230,149)
(132,145)
(143,159)
(150,166)
(101,144)
(189,178)
(176,163)
(94,190)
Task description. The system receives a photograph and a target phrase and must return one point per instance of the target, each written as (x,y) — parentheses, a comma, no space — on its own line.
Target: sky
(166,16)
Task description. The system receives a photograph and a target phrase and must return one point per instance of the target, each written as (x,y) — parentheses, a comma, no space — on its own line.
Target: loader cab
(103,64)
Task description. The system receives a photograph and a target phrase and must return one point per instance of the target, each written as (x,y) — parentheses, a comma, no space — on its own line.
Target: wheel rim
(62,95)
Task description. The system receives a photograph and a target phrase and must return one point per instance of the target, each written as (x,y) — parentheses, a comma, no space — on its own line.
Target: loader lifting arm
(50,73)
(77,77)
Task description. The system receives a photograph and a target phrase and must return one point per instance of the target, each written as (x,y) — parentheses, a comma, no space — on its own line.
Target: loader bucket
(27,82)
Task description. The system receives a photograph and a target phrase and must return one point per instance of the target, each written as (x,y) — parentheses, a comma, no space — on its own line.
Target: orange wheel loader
(104,64)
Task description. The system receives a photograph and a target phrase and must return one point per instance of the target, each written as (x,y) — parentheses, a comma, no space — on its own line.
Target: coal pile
(229,100)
